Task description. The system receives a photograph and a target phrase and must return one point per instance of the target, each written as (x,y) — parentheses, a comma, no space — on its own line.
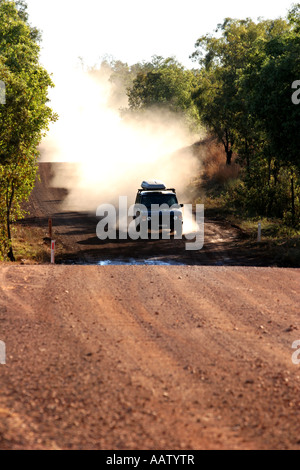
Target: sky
(134,30)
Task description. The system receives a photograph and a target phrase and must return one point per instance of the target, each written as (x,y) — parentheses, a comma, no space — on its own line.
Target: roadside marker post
(259,233)
(52,251)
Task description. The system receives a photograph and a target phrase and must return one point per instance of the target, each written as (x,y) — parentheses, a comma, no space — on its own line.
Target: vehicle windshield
(159,198)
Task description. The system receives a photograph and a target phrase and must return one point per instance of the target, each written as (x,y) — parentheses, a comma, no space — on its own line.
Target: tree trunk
(293,202)
(228,147)
(228,157)
(10,253)
(275,173)
(269,170)
(247,158)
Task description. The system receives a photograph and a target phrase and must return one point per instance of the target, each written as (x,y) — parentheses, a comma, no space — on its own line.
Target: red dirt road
(136,357)
(75,234)
(148,357)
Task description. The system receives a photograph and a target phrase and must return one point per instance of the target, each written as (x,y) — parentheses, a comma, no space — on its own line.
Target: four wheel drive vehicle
(159,207)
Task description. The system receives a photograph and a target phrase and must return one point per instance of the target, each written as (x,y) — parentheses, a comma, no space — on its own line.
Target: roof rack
(159,190)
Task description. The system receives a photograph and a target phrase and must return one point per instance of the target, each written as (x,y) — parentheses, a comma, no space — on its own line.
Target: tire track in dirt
(146,357)
(75,233)
(137,357)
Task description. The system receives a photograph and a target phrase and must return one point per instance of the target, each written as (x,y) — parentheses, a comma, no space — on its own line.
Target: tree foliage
(223,59)
(25,116)
(244,97)
(165,84)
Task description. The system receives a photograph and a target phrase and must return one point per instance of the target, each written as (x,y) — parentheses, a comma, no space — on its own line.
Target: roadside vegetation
(215,187)
(24,115)
(245,97)
(30,245)
(245,93)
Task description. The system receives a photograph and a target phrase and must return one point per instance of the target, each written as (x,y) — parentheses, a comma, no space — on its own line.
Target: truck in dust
(158,207)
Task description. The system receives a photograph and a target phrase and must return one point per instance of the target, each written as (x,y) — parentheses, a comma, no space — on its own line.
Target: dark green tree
(25,116)
(222,60)
(165,84)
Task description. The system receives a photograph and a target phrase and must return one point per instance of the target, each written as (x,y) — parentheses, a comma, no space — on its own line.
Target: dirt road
(196,356)
(149,357)
(76,240)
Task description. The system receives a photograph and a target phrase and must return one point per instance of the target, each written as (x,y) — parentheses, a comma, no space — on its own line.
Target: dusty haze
(113,155)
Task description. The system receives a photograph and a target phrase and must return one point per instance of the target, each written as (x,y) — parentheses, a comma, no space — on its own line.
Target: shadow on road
(75,234)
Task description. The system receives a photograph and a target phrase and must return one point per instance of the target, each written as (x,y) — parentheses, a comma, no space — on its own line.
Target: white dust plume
(112,155)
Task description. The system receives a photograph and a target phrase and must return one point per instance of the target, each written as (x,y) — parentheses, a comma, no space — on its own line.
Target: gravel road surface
(184,357)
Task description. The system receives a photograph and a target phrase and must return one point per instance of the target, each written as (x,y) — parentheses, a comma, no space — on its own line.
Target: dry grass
(30,245)
(215,176)
(215,171)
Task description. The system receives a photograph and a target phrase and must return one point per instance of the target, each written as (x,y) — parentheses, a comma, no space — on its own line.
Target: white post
(259,233)
(52,251)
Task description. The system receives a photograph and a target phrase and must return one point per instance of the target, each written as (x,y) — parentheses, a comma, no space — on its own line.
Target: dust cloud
(106,155)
